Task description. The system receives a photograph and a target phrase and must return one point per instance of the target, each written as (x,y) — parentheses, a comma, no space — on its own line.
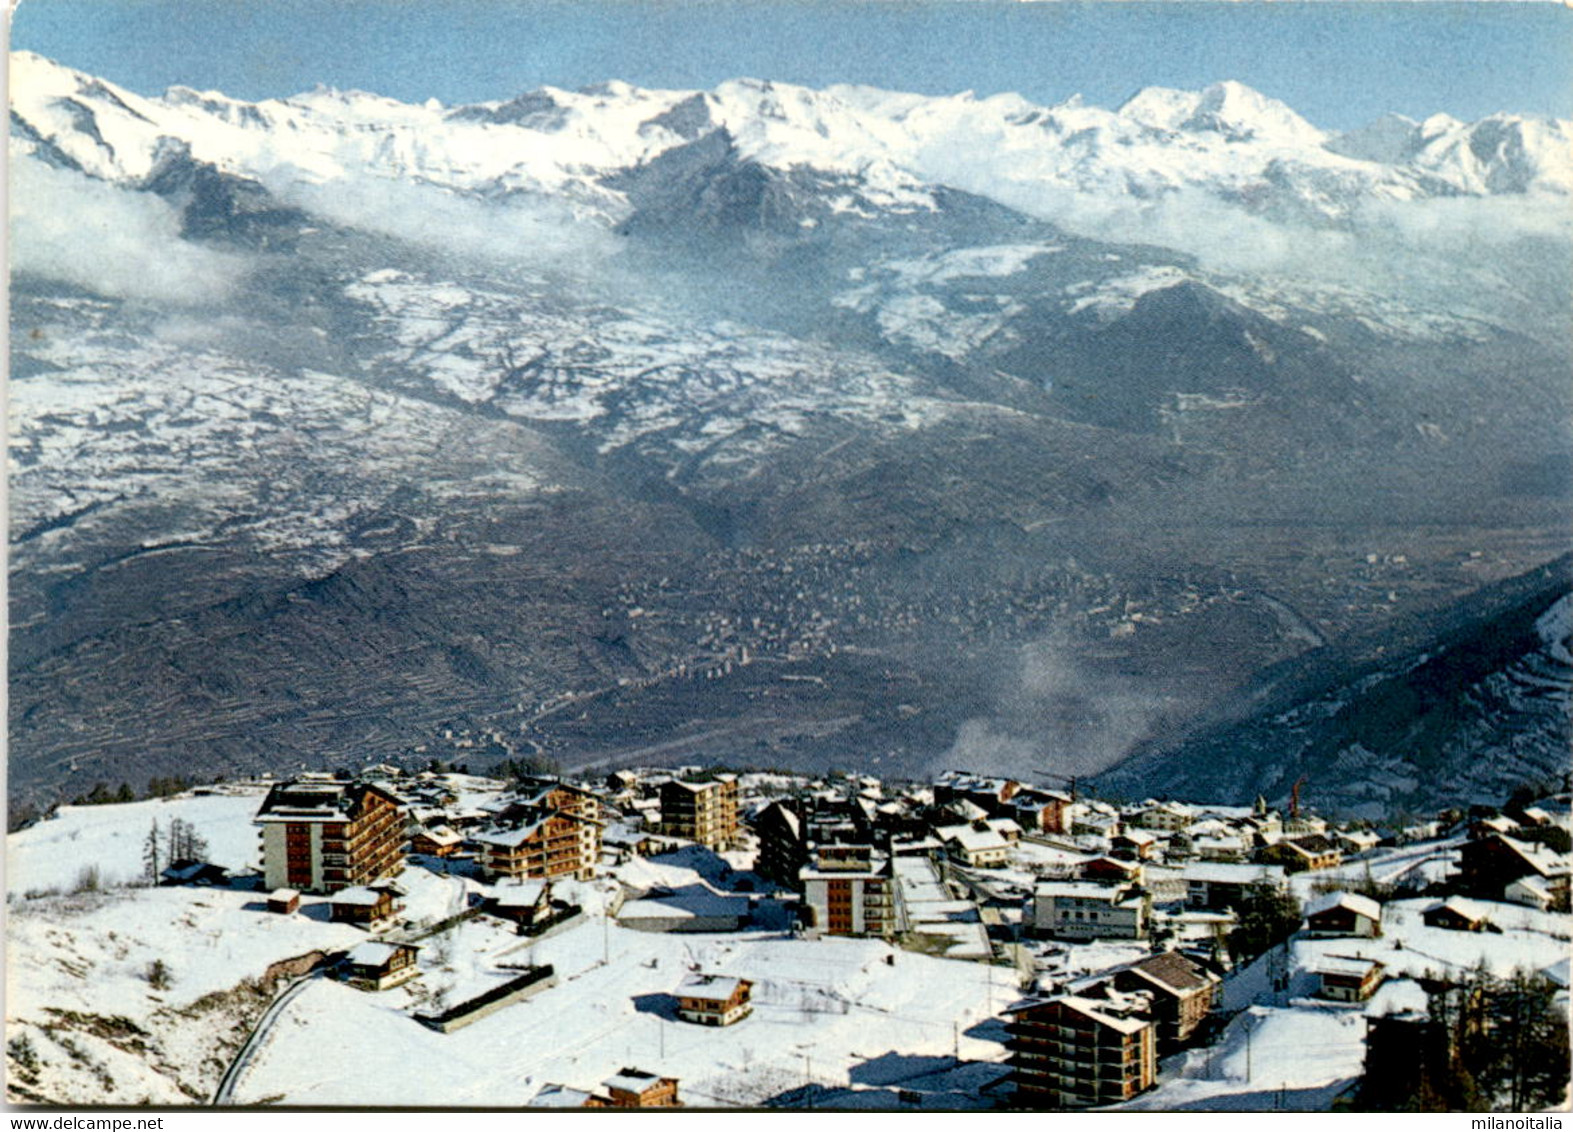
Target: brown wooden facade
(1067,1053)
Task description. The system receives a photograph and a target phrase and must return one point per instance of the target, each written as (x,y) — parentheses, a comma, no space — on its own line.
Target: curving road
(225,1092)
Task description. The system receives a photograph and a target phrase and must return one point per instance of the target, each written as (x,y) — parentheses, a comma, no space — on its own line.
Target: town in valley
(699,937)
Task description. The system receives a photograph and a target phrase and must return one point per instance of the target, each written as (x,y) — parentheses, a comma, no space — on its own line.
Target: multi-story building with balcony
(703,812)
(547,829)
(323,835)
(851,890)
(1070,1052)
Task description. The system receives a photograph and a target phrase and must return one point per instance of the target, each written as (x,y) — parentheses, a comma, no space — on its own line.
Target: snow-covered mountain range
(1227,141)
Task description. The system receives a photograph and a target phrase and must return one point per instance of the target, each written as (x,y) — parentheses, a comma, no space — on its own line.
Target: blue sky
(1339,64)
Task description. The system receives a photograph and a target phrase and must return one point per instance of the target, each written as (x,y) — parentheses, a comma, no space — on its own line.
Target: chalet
(189,872)
(523,904)
(436,841)
(1344,914)
(1347,978)
(622,781)
(1008,828)
(1303,854)
(1093,819)
(1459,914)
(991,795)
(977,845)
(364,905)
(1496,823)
(714,1000)
(323,835)
(964,809)
(1219,886)
(1170,817)
(284,901)
(1490,864)
(1353,841)
(1133,845)
(1532,892)
(1040,811)
(1071,1052)
(1085,910)
(634,1088)
(1222,847)
(1182,993)
(704,812)
(376,965)
(1112,870)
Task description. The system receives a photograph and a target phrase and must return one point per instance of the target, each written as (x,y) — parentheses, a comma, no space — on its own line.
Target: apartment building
(703,812)
(323,835)
(1070,1052)
(851,890)
(546,829)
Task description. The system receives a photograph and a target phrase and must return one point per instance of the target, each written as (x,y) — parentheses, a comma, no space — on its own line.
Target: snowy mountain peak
(1161,108)
(1240,114)
(1227,140)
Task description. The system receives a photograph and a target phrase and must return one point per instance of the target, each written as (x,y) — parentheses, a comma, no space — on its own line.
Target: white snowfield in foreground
(820,1009)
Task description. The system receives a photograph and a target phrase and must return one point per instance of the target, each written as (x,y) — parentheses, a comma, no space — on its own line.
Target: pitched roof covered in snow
(1359,905)
(708,988)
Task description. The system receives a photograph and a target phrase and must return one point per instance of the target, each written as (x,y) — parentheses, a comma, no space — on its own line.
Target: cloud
(1056,716)
(1373,243)
(112,241)
(531,232)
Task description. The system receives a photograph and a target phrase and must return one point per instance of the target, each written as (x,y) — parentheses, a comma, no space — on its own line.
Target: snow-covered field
(821,1010)
(52,854)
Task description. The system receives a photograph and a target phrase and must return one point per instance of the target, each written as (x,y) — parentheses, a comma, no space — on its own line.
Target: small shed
(283,901)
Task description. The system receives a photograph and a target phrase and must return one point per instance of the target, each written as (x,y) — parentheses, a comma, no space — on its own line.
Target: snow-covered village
(706,939)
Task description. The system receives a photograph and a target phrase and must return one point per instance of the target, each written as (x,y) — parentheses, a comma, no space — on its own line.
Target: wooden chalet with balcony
(376,965)
(1310,853)
(635,1088)
(1182,994)
(365,905)
(1344,914)
(714,1000)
